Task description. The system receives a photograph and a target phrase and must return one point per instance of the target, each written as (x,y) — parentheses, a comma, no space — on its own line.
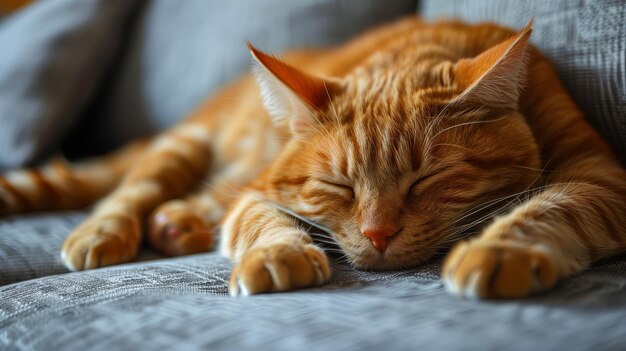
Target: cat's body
(418,133)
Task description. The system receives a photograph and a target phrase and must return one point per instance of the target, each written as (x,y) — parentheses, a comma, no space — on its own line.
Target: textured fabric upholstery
(30,245)
(181,304)
(586,40)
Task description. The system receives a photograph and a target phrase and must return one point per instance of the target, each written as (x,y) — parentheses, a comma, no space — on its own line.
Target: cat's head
(399,155)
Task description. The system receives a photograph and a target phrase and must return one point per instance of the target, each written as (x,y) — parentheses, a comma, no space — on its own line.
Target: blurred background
(86,76)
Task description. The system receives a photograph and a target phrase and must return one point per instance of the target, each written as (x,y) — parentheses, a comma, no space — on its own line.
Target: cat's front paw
(102,241)
(279,267)
(498,269)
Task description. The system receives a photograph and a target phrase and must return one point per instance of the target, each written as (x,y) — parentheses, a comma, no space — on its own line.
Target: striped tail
(62,185)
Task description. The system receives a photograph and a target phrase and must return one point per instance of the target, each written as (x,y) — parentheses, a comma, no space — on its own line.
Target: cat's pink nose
(379,236)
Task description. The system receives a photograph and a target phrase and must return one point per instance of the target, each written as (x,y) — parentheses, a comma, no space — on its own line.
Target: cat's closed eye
(341,188)
(420,181)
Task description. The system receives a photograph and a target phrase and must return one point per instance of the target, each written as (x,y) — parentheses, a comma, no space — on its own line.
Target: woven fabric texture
(181,304)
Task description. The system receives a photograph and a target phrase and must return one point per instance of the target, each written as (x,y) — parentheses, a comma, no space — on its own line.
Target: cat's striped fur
(417,135)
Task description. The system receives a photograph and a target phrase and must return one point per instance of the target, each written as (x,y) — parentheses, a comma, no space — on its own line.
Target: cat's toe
(176,229)
(492,269)
(279,268)
(101,242)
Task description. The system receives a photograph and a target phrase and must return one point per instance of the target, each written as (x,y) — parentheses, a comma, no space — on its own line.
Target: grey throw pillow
(52,56)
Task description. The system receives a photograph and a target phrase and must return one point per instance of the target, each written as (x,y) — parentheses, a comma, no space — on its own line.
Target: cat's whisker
(451,145)
(482,207)
(324,239)
(332,105)
(426,145)
(325,242)
(479,221)
(467,124)
(493,202)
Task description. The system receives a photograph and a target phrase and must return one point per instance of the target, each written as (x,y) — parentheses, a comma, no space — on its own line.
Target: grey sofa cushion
(182,304)
(585,39)
(52,56)
(182,51)
(30,246)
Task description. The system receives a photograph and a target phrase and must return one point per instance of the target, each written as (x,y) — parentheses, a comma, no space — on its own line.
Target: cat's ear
(290,95)
(496,76)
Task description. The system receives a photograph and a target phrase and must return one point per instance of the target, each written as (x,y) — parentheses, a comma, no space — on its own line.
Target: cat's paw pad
(102,241)
(492,269)
(175,228)
(279,268)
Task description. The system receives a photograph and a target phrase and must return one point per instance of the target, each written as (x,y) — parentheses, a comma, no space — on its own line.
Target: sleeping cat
(401,142)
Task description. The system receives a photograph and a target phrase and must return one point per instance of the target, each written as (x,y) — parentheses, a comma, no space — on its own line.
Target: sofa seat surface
(30,245)
(183,303)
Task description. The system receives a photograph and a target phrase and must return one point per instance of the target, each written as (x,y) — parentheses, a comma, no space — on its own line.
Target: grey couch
(154,63)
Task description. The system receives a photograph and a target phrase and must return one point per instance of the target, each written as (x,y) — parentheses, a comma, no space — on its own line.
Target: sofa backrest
(182,51)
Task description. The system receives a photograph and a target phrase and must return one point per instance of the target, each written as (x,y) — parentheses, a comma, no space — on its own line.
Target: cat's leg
(171,166)
(579,218)
(272,253)
(62,185)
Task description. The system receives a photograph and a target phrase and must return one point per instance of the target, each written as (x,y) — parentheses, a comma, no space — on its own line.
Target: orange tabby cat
(400,142)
